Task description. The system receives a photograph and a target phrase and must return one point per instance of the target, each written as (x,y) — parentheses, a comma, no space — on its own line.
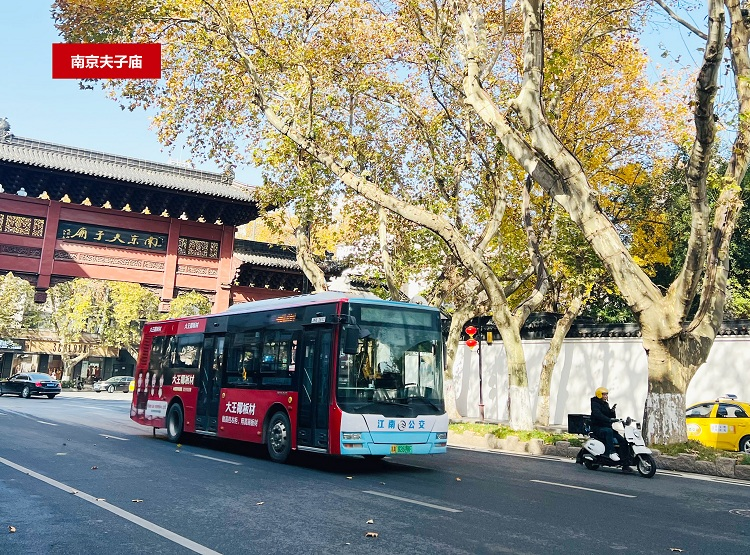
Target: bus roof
(314,298)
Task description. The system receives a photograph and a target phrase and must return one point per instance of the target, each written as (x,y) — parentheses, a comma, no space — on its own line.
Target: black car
(115,383)
(31,383)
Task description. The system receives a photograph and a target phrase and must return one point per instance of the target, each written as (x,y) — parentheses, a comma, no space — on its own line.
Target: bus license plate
(400,449)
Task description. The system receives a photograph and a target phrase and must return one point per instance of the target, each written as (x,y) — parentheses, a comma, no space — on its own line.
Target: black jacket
(601,414)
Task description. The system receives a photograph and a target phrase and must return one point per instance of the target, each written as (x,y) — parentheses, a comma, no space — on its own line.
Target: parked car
(115,383)
(721,424)
(27,384)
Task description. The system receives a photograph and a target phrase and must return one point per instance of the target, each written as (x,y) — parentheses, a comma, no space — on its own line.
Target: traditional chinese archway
(67,213)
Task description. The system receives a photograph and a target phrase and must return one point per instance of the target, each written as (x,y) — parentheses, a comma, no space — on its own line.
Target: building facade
(69,213)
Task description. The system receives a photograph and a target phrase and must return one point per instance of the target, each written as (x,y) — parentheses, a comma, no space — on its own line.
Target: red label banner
(106,61)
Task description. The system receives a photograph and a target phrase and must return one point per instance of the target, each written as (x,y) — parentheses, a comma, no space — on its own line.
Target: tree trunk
(69,363)
(550,358)
(306,261)
(519,397)
(459,318)
(385,258)
(672,363)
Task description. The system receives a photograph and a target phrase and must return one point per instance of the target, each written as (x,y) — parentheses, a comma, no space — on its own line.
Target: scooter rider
(602,417)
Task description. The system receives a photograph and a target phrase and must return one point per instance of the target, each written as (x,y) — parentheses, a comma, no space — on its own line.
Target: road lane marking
(143,523)
(47,423)
(114,437)
(414,501)
(705,478)
(217,460)
(512,453)
(585,489)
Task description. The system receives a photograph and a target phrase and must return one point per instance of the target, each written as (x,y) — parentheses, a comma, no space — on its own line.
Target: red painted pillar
(47,260)
(224,275)
(170,263)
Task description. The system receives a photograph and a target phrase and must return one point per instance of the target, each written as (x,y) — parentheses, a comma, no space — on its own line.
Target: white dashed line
(582,488)
(114,437)
(217,460)
(414,501)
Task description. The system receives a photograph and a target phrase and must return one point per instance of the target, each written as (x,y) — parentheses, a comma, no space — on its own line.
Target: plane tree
(676,341)
(381,96)
(114,311)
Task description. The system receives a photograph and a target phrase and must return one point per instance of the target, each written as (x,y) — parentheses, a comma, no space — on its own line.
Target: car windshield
(43,377)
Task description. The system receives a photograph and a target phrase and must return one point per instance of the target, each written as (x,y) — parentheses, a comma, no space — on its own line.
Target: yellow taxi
(721,424)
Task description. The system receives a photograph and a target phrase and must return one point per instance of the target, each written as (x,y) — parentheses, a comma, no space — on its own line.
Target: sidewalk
(724,467)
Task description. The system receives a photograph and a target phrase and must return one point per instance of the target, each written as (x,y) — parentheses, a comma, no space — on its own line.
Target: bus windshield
(397,371)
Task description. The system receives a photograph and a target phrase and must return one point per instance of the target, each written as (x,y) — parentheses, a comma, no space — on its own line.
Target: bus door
(212,366)
(314,388)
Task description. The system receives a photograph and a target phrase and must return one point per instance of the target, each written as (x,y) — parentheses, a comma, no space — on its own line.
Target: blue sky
(57,111)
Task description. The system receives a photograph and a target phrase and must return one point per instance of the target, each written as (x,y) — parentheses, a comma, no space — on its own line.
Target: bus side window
(157,354)
(242,367)
(277,366)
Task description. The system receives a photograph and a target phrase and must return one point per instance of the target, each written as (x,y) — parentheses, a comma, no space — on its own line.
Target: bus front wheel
(175,421)
(278,439)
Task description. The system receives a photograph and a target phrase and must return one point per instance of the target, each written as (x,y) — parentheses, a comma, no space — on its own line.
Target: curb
(723,466)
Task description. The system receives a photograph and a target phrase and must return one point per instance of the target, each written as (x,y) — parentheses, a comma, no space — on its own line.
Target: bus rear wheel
(278,437)
(175,422)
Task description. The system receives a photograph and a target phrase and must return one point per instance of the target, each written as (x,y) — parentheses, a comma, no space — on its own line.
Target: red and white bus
(327,372)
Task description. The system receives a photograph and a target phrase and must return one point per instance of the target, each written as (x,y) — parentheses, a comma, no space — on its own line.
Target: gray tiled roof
(97,164)
(266,255)
(268,261)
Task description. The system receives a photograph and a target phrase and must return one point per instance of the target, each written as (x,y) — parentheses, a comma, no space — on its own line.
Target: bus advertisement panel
(328,372)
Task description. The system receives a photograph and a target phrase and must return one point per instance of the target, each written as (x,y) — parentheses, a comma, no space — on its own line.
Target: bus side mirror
(351,340)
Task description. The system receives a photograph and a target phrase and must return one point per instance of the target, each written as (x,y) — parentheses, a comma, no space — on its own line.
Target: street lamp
(471,343)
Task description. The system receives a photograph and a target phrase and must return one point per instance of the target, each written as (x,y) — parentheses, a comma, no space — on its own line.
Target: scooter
(592,456)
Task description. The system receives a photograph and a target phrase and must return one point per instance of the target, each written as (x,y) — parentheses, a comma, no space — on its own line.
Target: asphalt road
(77,476)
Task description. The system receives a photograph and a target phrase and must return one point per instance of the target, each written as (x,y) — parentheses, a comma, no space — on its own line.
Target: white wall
(585,364)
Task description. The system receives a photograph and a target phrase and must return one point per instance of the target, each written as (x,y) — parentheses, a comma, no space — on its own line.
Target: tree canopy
(447,114)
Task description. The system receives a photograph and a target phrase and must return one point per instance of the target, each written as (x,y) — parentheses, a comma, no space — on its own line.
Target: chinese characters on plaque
(123,238)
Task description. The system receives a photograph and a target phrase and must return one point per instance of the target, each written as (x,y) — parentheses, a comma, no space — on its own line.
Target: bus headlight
(350,436)
(441,435)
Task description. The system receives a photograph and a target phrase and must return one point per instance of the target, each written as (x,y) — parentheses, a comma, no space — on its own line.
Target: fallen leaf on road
(100,499)
(675,549)
(74,491)
(371,521)
(137,500)
(371,535)
(179,445)
(260,502)
(348,477)
(11,529)
(94,468)
(458,479)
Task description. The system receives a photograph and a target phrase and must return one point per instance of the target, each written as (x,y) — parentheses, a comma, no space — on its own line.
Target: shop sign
(10,345)
(57,348)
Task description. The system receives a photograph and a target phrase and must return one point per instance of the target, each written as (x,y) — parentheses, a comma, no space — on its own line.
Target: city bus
(328,372)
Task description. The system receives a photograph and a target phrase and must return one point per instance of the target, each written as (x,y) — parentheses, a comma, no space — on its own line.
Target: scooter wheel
(646,465)
(590,465)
